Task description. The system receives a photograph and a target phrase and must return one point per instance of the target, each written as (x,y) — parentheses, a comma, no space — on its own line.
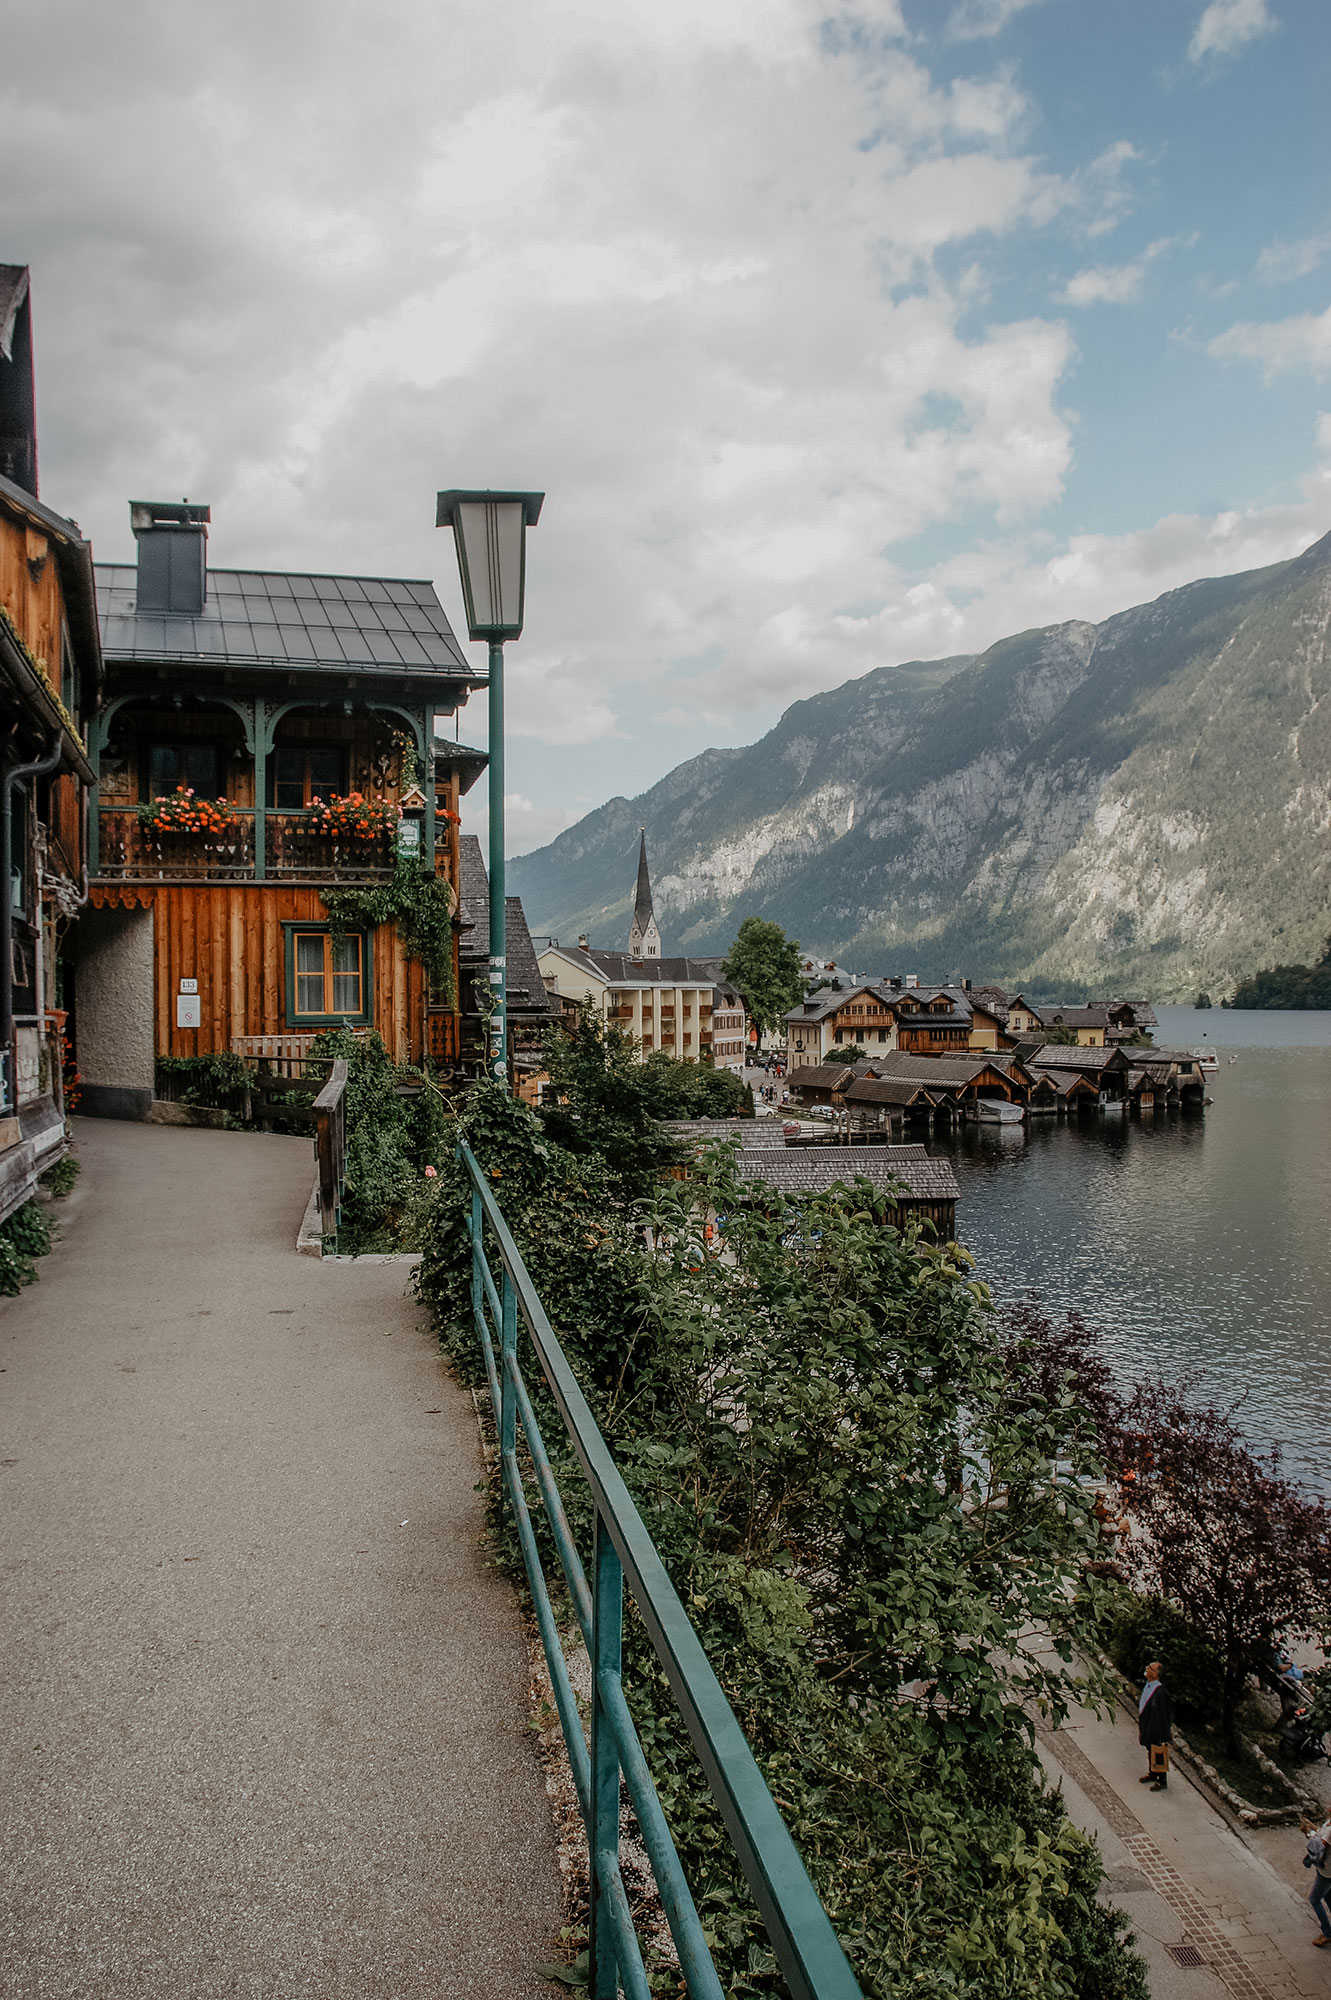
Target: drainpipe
(40,769)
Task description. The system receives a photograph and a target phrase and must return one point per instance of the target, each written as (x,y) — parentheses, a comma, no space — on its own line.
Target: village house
(680,1005)
(887,1014)
(266,736)
(50,673)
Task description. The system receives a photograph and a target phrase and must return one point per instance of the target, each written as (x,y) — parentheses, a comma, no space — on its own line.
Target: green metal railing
(806,1946)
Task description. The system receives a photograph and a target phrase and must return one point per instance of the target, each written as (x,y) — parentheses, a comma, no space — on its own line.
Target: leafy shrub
(25,1236)
(857,1492)
(60,1179)
(217,1081)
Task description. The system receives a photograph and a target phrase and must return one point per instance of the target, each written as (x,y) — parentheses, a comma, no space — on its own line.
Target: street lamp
(490,532)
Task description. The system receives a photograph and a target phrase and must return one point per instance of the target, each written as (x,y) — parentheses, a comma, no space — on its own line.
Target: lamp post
(490,532)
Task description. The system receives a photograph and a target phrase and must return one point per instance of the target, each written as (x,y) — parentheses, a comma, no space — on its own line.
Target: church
(682,1006)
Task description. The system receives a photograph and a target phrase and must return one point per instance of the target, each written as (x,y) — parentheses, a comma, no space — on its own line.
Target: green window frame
(319,973)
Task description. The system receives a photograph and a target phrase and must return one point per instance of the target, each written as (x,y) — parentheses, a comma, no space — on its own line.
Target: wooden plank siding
(229,937)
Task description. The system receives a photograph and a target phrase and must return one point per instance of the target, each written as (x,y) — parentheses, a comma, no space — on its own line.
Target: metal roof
(269,618)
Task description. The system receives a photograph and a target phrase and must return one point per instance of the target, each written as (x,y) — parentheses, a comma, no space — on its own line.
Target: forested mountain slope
(1142,806)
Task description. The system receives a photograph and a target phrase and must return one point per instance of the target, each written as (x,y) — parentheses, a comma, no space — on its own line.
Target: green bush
(59,1179)
(853,1486)
(26,1236)
(1138,1630)
(391,1139)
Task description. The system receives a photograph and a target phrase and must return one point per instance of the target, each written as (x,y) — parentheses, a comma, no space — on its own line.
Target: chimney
(582,942)
(173,544)
(912,980)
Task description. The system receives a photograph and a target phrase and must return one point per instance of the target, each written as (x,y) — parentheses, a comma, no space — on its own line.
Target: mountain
(1138,806)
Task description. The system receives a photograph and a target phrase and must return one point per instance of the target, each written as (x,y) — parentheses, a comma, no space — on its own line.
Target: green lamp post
(490,532)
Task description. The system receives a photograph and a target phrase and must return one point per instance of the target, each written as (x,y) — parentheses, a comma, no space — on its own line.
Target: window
(297,775)
(195,765)
(328,978)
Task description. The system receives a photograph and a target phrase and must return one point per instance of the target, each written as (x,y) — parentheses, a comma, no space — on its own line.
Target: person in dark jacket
(1155,1728)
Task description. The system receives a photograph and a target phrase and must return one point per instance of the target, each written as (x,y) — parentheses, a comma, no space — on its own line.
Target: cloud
(1280,262)
(1227,25)
(1304,341)
(1114,284)
(974,19)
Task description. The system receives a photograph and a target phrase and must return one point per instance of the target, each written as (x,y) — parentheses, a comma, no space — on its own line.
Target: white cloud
(1303,341)
(1227,25)
(974,19)
(1280,262)
(1113,284)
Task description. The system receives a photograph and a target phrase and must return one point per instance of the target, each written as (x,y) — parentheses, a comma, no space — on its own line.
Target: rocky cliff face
(1142,805)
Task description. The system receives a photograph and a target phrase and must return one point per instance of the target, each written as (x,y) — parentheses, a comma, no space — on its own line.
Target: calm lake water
(1194,1243)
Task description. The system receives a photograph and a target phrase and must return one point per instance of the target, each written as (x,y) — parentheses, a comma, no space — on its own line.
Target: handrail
(330,1140)
(801,1933)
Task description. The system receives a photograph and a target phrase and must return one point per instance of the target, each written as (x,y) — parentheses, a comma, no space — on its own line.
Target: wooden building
(50,668)
(266,736)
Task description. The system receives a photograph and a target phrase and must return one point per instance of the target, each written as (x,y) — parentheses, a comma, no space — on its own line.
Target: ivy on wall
(421,905)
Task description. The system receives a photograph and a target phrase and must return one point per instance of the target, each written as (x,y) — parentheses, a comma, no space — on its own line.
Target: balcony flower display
(354,817)
(184,811)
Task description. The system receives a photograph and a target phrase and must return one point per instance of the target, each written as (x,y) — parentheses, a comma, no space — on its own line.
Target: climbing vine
(421,906)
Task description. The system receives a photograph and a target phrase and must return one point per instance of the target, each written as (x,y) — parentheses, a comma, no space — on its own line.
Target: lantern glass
(490,532)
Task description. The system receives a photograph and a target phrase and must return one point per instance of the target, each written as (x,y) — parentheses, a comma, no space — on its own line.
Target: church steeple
(644,937)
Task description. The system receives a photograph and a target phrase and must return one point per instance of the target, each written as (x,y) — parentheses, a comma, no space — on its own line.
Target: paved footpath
(1187,1875)
(263,1731)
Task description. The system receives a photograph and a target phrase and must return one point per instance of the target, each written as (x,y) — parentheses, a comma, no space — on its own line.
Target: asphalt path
(264,1720)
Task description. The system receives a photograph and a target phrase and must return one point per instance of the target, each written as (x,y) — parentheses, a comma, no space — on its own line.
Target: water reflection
(1194,1242)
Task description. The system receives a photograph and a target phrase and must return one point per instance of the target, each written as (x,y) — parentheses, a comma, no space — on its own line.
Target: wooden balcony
(130,852)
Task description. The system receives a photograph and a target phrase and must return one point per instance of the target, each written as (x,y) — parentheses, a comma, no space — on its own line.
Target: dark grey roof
(826,1076)
(811,1170)
(620,967)
(470,763)
(941,1072)
(819,1005)
(270,618)
(527,992)
(754,1134)
(1063,1080)
(887,1090)
(1054,1056)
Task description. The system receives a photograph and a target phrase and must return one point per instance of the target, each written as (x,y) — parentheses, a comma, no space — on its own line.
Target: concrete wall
(114,998)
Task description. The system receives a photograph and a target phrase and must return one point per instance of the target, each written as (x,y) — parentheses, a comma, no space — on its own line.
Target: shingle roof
(811,1170)
(754,1134)
(1054,1056)
(887,1090)
(827,1076)
(270,618)
(526,990)
(622,969)
(944,1071)
(1064,1080)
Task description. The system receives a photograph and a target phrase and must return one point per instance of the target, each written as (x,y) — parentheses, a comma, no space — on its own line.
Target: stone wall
(114,1002)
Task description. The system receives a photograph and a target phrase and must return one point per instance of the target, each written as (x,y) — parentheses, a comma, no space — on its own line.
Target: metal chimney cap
(147,514)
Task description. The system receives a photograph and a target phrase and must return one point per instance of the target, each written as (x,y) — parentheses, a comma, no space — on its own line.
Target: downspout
(40,769)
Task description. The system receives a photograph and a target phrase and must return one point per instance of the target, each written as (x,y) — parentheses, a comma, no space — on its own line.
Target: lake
(1195,1243)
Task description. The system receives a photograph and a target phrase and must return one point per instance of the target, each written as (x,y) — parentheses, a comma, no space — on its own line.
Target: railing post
(603,1834)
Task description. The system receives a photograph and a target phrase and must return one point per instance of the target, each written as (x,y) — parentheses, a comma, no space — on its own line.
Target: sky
(835,335)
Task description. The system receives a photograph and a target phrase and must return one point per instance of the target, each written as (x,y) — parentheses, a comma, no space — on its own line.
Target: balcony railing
(131,852)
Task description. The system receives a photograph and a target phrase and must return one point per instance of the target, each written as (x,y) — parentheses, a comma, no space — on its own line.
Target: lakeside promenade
(265,1729)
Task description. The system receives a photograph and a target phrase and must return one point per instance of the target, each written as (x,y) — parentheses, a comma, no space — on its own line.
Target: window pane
(325,771)
(201,768)
(346,975)
(289,780)
(310,973)
(163,770)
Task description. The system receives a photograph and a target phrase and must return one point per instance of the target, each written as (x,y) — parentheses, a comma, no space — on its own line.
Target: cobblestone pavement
(264,1728)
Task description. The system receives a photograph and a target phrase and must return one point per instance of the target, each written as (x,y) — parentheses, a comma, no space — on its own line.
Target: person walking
(1155,1728)
(1318,1858)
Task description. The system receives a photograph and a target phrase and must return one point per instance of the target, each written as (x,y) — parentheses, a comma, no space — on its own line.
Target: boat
(1206,1059)
(997,1111)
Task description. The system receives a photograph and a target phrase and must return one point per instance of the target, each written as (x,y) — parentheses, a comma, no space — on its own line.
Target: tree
(1287,986)
(608,1102)
(1223,1534)
(766,967)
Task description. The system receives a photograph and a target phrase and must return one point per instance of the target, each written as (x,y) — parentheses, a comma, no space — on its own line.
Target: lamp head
(490,532)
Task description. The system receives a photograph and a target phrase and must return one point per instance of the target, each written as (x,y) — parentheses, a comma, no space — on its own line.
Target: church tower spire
(644,937)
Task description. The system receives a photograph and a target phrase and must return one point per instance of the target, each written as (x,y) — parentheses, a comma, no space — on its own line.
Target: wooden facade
(50,676)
